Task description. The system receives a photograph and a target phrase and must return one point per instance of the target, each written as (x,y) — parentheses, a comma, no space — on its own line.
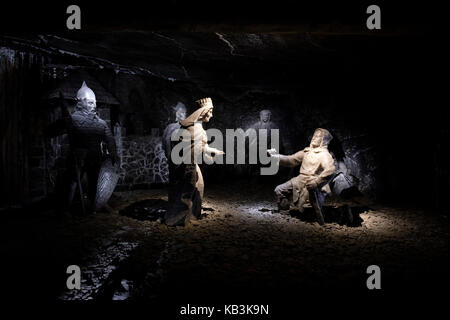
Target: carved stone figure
(264,120)
(186,182)
(263,123)
(93,151)
(317,168)
(180,114)
(253,141)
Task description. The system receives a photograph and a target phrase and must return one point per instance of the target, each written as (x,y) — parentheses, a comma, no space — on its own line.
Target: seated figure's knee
(282,192)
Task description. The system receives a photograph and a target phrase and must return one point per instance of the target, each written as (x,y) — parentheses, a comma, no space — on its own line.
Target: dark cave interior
(364,89)
(375,93)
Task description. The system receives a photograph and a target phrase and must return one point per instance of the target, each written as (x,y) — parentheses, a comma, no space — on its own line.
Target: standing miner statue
(93,159)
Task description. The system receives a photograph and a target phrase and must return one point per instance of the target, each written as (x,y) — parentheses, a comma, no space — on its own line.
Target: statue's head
(321,138)
(265,115)
(86,98)
(180,111)
(206,104)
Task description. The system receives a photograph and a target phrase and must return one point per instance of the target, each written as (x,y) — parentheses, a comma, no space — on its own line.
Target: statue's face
(180,115)
(265,116)
(316,140)
(208,116)
(89,104)
(86,98)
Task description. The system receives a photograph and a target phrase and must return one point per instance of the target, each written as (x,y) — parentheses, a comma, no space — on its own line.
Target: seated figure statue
(317,168)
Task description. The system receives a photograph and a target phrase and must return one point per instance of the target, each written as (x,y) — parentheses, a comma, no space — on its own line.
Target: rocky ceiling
(233,42)
(257,59)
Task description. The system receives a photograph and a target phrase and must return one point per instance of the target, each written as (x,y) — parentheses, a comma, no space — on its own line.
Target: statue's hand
(273,152)
(219,152)
(214,150)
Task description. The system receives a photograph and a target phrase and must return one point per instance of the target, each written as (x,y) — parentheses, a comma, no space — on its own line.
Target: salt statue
(180,114)
(264,123)
(186,183)
(93,151)
(317,169)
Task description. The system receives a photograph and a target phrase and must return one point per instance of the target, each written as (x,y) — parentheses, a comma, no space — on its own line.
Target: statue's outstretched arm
(292,160)
(210,150)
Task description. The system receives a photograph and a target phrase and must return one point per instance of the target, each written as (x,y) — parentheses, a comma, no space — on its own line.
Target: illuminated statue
(93,151)
(317,168)
(186,184)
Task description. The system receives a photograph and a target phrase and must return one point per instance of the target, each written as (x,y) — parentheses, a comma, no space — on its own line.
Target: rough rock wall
(22,161)
(143,162)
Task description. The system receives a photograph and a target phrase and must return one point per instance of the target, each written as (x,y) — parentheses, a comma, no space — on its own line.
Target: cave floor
(240,248)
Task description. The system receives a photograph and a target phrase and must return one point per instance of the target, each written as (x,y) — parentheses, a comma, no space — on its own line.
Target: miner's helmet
(85,93)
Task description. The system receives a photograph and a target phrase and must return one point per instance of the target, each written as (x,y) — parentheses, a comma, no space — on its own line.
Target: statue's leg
(282,192)
(200,185)
(197,195)
(186,200)
(303,198)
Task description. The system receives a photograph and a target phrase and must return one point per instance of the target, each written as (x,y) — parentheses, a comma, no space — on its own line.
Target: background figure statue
(254,141)
(180,114)
(317,169)
(93,151)
(186,182)
(263,123)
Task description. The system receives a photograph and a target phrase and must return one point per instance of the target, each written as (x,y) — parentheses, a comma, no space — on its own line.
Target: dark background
(233,14)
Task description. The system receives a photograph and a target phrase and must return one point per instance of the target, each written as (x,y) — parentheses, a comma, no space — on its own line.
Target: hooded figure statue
(317,168)
(92,150)
(186,180)
(180,114)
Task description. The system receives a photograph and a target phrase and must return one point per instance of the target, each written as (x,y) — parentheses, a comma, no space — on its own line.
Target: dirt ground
(240,248)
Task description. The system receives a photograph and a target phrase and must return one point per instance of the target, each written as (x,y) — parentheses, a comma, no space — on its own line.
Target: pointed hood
(85,93)
(326,137)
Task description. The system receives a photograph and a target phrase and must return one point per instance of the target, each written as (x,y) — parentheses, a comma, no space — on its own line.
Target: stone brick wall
(143,162)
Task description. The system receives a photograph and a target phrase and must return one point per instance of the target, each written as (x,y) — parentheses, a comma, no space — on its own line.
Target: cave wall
(22,161)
